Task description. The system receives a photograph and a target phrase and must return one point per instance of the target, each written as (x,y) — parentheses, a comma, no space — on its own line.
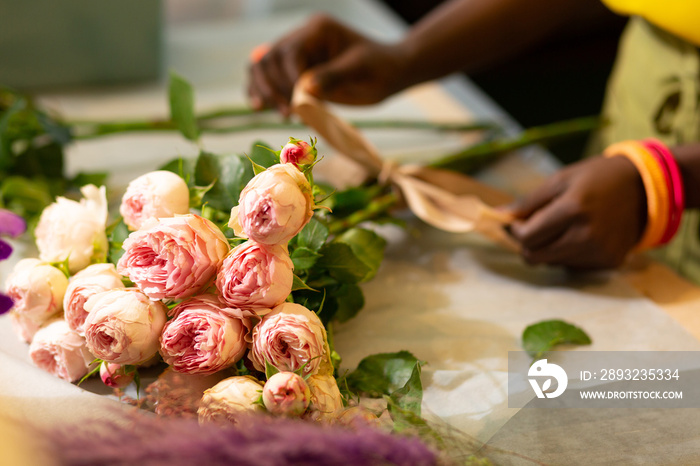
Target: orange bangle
(654,185)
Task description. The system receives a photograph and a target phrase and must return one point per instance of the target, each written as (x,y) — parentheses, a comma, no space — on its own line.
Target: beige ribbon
(444,199)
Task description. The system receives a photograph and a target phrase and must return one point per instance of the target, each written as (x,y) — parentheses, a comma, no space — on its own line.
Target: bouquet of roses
(234,294)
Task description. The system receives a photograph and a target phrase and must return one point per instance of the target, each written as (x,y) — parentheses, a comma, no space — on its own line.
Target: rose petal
(5,250)
(11,224)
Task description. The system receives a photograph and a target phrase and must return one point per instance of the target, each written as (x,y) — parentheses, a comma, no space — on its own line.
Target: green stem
(476,156)
(93,129)
(374,209)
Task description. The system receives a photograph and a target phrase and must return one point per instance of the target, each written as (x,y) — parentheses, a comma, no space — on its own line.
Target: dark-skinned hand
(342,66)
(587,216)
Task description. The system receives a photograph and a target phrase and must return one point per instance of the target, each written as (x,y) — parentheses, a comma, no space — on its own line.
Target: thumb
(526,206)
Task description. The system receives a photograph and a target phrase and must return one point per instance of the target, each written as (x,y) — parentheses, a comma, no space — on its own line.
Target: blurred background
(48,46)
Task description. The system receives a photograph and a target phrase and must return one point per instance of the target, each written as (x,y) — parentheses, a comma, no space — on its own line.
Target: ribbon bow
(446,200)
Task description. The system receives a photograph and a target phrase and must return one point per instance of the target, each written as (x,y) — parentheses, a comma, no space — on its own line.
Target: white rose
(230,398)
(37,290)
(74,230)
(157,194)
(124,326)
(326,401)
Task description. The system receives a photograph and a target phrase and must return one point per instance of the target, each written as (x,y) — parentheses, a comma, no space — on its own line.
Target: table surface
(455,301)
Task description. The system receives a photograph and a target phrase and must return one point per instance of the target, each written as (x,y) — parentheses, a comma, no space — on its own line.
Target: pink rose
(116,375)
(174,257)
(202,337)
(123,326)
(298,152)
(91,280)
(229,399)
(288,338)
(255,276)
(326,400)
(60,351)
(286,394)
(74,230)
(36,289)
(157,194)
(24,327)
(274,206)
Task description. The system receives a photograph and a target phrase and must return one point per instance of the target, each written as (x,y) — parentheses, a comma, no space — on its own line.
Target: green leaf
(382,374)
(304,258)
(263,155)
(543,336)
(313,235)
(299,284)
(367,246)
(92,372)
(46,160)
(6,117)
(97,178)
(257,168)
(410,396)
(182,113)
(182,167)
(62,266)
(342,263)
(350,301)
(25,196)
(197,194)
(270,370)
(229,173)
(58,132)
(116,234)
(346,202)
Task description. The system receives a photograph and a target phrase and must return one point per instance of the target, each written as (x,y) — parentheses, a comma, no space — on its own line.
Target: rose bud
(116,375)
(173,258)
(298,152)
(91,280)
(74,230)
(326,400)
(230,398)
(255,276)
(157,194)
(60,351)
(36,289)
(287,394)
(123,326)
(203,337)
(290,337)
(274,206)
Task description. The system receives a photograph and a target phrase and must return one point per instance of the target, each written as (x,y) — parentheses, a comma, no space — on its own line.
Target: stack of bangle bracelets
(663,185)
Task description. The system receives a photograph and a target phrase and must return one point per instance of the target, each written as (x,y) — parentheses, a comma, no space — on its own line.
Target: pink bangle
(675,186)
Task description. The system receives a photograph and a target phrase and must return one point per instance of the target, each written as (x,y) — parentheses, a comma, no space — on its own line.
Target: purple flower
(11,224)
(5,250)
(5,303)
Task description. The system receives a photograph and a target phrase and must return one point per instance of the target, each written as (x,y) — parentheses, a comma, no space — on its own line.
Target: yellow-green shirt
(679,17)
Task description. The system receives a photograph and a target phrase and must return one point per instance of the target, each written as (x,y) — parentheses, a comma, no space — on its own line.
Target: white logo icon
(542,368)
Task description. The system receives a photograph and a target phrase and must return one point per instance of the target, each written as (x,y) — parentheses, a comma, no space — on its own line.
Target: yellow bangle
(654,186)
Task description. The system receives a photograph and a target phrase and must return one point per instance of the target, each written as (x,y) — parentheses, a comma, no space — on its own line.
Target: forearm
(471,34)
